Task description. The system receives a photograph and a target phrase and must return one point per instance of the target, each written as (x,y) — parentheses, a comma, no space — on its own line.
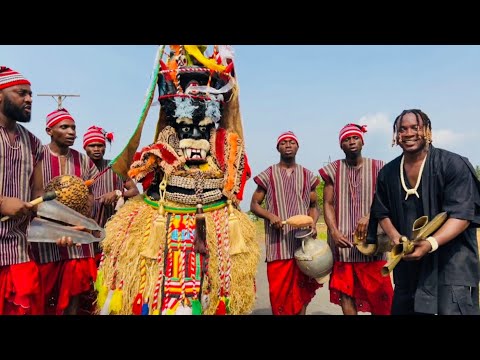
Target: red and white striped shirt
(352,197)
(105,183)
(17,163)
(76,164)
(286,195)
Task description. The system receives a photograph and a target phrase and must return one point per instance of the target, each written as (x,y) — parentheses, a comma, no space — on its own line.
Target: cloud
(448,139)
(377,123)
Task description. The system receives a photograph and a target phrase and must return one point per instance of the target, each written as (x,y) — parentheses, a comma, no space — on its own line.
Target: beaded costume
(183,246)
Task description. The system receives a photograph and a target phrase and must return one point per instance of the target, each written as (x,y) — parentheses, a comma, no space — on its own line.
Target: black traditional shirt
(448,183)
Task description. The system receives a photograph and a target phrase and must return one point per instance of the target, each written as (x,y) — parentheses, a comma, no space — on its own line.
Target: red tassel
(137,305)
(221,308)
(109,136)
(229,68)
(147,180)
(167,74)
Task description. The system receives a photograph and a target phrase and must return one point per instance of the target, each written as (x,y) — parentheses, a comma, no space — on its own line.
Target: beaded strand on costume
(192,264)
(140,306)
(168,303)
(181,248)
(227,256)
(224,263)
(158,285)
(221,271)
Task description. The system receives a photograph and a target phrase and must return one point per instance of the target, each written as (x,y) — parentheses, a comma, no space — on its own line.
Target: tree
(320,195)
(477,171)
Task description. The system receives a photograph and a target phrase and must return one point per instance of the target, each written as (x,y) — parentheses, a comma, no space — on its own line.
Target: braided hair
(419,114)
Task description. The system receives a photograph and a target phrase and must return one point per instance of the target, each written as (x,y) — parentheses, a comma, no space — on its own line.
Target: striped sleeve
(314,180)
(92,169)
(328,172)
(262,179)
(37,148)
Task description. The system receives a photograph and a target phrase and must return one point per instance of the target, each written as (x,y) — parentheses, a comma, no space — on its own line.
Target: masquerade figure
(441,274)
(21,182)
(183,247)
(356,282)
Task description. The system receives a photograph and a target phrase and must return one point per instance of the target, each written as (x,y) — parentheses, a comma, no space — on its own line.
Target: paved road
(320,304)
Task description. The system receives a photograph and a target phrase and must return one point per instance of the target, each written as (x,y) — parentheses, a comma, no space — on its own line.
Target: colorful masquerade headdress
(190,83)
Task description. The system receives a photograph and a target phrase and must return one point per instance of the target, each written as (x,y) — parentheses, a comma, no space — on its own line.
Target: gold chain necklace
(402,179)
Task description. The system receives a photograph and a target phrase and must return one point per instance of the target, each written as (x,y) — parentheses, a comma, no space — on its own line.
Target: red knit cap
(9,77)
(287,135)
(56,116)
(96,134)
(352,130)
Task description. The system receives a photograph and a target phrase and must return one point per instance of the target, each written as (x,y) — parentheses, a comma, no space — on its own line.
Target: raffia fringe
(130,245)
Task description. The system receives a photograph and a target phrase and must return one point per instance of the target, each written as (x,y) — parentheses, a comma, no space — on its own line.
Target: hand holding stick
(47,196)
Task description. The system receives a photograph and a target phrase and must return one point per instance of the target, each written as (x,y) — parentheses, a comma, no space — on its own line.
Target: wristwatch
(118,193)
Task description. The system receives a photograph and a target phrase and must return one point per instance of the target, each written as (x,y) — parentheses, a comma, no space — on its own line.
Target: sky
(312,90)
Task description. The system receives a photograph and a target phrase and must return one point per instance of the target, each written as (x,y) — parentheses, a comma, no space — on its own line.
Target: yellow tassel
(101,289)
(99,281)
(116,303)
(158,235)
(237,241)
(101,296)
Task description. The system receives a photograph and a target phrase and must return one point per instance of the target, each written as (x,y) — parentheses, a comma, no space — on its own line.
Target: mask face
(193,120)
(194,139)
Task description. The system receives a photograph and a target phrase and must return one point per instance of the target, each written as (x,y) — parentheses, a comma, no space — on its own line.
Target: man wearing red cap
(65,272)
(108,187)
(356,283)
(288,189)
(21,181)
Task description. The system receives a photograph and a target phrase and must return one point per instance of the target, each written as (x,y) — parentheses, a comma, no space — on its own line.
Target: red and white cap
(9,77)
(287,135)
(96,134)
(58,115)
(352,130)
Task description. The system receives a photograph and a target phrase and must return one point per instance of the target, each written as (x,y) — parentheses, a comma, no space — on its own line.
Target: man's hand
(420,250)
(15,207)
(108,198)
(66,241)
(361,229)
(341,240)
(275,221)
